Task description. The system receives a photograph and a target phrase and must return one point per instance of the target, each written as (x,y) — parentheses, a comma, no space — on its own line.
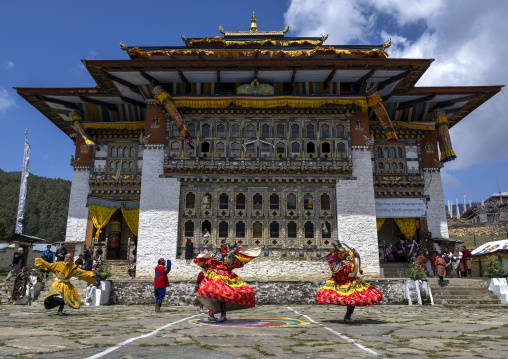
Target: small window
(240,201)
(274,230)
(221,131)
(257,202)
(340,131)
(223,230)
(291,205)
(205,131)
(325,202)
(190,200)
(189,229)
(251,133)
(341,149)
(191,129)
(265,131)
(295,148)
(310,131)
(295,131)
(379,152)
(274,202)
(280,131)
(240,230)
(235,149)
(175,148)
(292,230)
(207,201)
(309,230)
(280,150)
(265,149)
(223,201)
(257,230)
(113,152)
(308,202)
(235,131)
(325,131)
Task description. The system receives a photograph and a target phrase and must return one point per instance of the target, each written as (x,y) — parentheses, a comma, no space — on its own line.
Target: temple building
(259,138)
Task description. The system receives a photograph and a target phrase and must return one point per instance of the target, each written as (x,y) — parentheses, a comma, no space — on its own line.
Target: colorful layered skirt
(348,292)
(224,286)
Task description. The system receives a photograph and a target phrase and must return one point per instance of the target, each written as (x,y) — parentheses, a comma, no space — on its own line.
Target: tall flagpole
(22,188)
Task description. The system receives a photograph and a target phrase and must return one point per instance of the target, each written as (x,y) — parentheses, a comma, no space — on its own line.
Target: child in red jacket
(160,282)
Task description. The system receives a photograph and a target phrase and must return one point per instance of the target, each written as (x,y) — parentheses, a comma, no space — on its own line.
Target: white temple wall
(158,213)
(436,211)
(356,211)
(77,217)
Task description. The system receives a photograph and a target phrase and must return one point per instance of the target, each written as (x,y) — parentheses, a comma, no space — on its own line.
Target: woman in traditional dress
(345,287)
(222,290)
(62,291)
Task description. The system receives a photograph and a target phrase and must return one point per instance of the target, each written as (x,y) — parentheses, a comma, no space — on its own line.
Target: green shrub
(415,272)
(495,269)
(103,272)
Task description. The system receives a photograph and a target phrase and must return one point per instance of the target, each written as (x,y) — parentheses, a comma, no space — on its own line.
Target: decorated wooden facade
(253,136)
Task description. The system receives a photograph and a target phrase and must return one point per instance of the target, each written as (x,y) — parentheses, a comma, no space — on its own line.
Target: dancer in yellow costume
(62,291)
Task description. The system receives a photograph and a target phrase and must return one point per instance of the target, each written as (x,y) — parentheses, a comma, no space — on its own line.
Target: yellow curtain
(131,216)
(100,217)
(407,226)
(379,223)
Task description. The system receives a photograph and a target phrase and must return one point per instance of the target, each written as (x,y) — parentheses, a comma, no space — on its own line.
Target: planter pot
(98,295)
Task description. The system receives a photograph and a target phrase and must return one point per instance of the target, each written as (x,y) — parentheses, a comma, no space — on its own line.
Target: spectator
(88,258)
(458,266)
(422,260)
(433,259)
(80,262)
(17,260)
(61,253)
(467,259)
(48,256)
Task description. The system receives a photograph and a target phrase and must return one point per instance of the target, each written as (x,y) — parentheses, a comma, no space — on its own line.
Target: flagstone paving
(125,332)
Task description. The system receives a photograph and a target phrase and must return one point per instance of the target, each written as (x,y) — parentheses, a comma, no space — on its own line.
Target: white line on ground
(111,349)
(337,333)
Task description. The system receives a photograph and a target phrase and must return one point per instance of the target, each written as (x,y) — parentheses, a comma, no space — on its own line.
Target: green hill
(46,205)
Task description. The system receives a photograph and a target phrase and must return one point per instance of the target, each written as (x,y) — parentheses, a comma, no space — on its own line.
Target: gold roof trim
(220,40)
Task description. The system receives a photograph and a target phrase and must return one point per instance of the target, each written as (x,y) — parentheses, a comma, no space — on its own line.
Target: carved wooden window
(190,200)
(205,131)
(340,131)
(326,149)
(308,202)
(311,149)
(219,148)
(274,230)
(223,201)
(274,201)
(310,131)
(221,131)
(240,201)
(295,149)
(250,150)
(265,131)
(281,150)
(189,229)
(326,232)
(291,202)
(325,202)
(257,202)
(235,149)
(206,203)
(309,230)
(292,230)
(113,152)
(341,149)
(295,131)
(191,129)
(205,148)
(265,149)
(257,231)
(325,131)
(175,148)
(251,132)
(223,230)
(280,131)
(240,229)
(235,131)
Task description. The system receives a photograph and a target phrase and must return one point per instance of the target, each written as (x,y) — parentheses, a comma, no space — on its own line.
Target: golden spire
(253,25)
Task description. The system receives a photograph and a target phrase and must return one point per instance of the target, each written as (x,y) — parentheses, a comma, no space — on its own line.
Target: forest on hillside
(47,202)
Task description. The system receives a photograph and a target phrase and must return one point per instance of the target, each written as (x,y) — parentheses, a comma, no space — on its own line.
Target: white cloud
(6,100)
(9,65)
(467,41)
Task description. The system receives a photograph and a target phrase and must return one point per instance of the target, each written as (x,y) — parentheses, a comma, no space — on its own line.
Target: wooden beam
(133,102)
(329,78)
(392,79)
(131,87)
(407,104)
(110,106)
(68,104)
(358,86)
(454,101)
(150,78)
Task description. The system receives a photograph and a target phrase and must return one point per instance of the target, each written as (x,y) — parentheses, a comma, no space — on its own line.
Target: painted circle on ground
(253,322)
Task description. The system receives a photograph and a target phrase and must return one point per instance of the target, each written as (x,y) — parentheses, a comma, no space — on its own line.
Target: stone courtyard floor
(386,331)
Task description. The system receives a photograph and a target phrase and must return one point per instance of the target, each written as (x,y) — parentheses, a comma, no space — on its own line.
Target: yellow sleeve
(85,275)
(42,264)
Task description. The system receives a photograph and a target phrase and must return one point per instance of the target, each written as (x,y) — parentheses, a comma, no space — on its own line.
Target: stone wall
(436,212)
(356,211)
(158,212)
(267,292)
(77,217)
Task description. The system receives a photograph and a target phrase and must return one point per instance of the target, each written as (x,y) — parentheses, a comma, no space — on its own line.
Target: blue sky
(42,44)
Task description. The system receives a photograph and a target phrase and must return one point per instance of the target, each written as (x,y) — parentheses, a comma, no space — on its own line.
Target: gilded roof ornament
(387,44)
(123,46)
(253,23)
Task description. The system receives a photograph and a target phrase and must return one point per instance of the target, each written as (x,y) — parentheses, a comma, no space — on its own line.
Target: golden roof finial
(253,25)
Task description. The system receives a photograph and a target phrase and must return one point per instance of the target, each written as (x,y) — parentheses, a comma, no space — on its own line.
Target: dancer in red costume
(221,289)
(345,287)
